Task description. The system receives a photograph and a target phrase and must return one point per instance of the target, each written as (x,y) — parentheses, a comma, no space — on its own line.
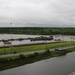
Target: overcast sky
(37,13)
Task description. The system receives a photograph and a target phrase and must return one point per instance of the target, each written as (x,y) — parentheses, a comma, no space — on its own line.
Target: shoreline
(29,44)
(16,61)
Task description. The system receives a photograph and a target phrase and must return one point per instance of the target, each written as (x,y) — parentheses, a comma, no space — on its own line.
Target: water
(16,36)
(62,65)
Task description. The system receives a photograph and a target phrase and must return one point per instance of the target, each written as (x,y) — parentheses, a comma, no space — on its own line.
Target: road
(31,52)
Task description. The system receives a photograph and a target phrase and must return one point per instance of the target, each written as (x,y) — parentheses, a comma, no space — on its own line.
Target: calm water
(62,65)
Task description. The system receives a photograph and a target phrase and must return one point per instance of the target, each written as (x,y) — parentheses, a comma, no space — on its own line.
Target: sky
(37,13)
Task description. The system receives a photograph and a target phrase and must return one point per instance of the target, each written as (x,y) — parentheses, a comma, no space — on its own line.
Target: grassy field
(34,47)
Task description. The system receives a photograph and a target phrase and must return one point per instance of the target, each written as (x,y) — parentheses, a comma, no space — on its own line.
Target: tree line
(37,30)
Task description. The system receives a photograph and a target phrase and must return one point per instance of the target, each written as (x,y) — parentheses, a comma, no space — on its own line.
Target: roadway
(31,52)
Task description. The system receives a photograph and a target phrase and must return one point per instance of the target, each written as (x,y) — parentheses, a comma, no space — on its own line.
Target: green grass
(15,61)
(34,47)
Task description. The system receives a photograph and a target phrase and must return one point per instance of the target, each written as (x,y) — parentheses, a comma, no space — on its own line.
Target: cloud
(37,12)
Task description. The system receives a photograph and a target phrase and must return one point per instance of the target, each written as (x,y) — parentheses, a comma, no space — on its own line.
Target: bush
(33,55)
(14,52)
(47,52)
(3,60)
(22,56)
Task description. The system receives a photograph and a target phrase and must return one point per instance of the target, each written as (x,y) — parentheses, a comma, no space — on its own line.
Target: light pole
(72,40)
(11,35)
(46,44)
(4,46)
(63,35)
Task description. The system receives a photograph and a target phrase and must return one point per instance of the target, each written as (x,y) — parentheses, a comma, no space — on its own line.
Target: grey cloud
(37,12)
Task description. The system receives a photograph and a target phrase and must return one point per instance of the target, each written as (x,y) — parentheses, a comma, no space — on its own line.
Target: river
(62,65)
